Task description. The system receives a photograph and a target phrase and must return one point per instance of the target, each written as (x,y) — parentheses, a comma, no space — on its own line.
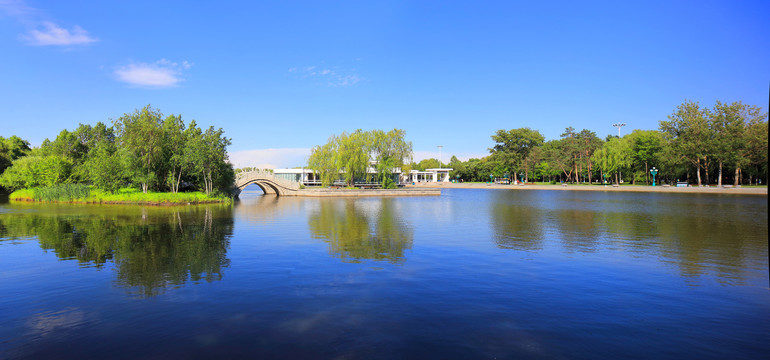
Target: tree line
(349,155)
(143,149)
(696,144)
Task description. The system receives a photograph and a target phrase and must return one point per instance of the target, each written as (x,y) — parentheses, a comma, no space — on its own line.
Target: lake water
(471,274)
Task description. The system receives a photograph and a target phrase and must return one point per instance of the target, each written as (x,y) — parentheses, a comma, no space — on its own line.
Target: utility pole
(619,125)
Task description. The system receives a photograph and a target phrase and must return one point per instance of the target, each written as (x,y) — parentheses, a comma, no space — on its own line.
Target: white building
(306,176)
(309,176)
(429,175)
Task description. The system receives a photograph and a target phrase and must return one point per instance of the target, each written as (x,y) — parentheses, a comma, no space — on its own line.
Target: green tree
(322,161)
(207,156)
(587,143)
(353,155)
(613,156)
(350,154)
(34,170)
(106,167)
(559,155)
(513,146)
(141,135)
(11,149)
(390,151)
(690,135)
(730,124)
(175,143)
(646,148)
(757,147)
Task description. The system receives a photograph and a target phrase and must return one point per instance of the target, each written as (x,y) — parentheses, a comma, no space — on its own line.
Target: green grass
(78,193)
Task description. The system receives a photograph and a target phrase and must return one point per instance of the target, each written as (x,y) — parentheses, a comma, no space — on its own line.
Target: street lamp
(654,172)
(619,125)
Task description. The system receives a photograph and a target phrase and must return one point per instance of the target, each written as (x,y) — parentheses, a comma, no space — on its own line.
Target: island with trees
(143,157)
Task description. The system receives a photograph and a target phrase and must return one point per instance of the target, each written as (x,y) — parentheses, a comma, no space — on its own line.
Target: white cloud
(52,34)
(270,158)
(332,77)
(41,30)
(163,73)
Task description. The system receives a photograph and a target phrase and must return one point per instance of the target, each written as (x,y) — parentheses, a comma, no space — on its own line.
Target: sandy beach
(570,187)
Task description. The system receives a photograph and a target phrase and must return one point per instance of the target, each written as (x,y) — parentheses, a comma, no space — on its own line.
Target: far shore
(570,187)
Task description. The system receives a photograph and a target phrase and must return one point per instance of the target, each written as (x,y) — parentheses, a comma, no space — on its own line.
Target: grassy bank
(83,194)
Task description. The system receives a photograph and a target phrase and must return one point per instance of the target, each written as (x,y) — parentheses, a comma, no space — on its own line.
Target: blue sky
(280,77)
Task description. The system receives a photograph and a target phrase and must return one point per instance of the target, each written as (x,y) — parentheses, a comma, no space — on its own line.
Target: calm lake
(471,274)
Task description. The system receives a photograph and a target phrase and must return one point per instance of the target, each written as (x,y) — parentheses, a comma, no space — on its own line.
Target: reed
(80,193)
(61,192)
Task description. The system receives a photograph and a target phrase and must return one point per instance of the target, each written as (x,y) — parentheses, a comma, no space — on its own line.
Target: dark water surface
(470,274)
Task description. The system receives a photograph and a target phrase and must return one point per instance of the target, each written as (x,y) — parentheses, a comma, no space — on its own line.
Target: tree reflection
(356,233)
(578,229)
(151,248)
(517,224)
(703,236)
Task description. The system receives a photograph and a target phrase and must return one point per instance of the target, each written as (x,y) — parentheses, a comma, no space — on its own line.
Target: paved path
(636,188)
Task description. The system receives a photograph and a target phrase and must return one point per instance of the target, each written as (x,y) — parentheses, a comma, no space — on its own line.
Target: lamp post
(619,125)
(654,172)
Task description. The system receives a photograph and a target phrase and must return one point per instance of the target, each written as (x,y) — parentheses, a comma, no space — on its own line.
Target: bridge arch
(266,181)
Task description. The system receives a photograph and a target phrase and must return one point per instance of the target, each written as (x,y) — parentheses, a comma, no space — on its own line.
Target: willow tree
(353,155)
(612,157)
(350,153)
(322,161)
(390,150)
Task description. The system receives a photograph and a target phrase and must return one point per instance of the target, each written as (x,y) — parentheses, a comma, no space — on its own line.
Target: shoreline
(424,191)
(143,203)
(609,188)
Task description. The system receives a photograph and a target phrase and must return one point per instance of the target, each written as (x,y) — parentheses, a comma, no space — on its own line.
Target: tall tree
(729,124)
(588,142)
(613,156)
(646,147)
(353,155)
(390,150)
(141,135)
(570,151)
(690,135)
(513,146)
(175,142)
(322,161)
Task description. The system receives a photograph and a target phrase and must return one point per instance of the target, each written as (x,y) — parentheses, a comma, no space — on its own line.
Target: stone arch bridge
(266,181)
